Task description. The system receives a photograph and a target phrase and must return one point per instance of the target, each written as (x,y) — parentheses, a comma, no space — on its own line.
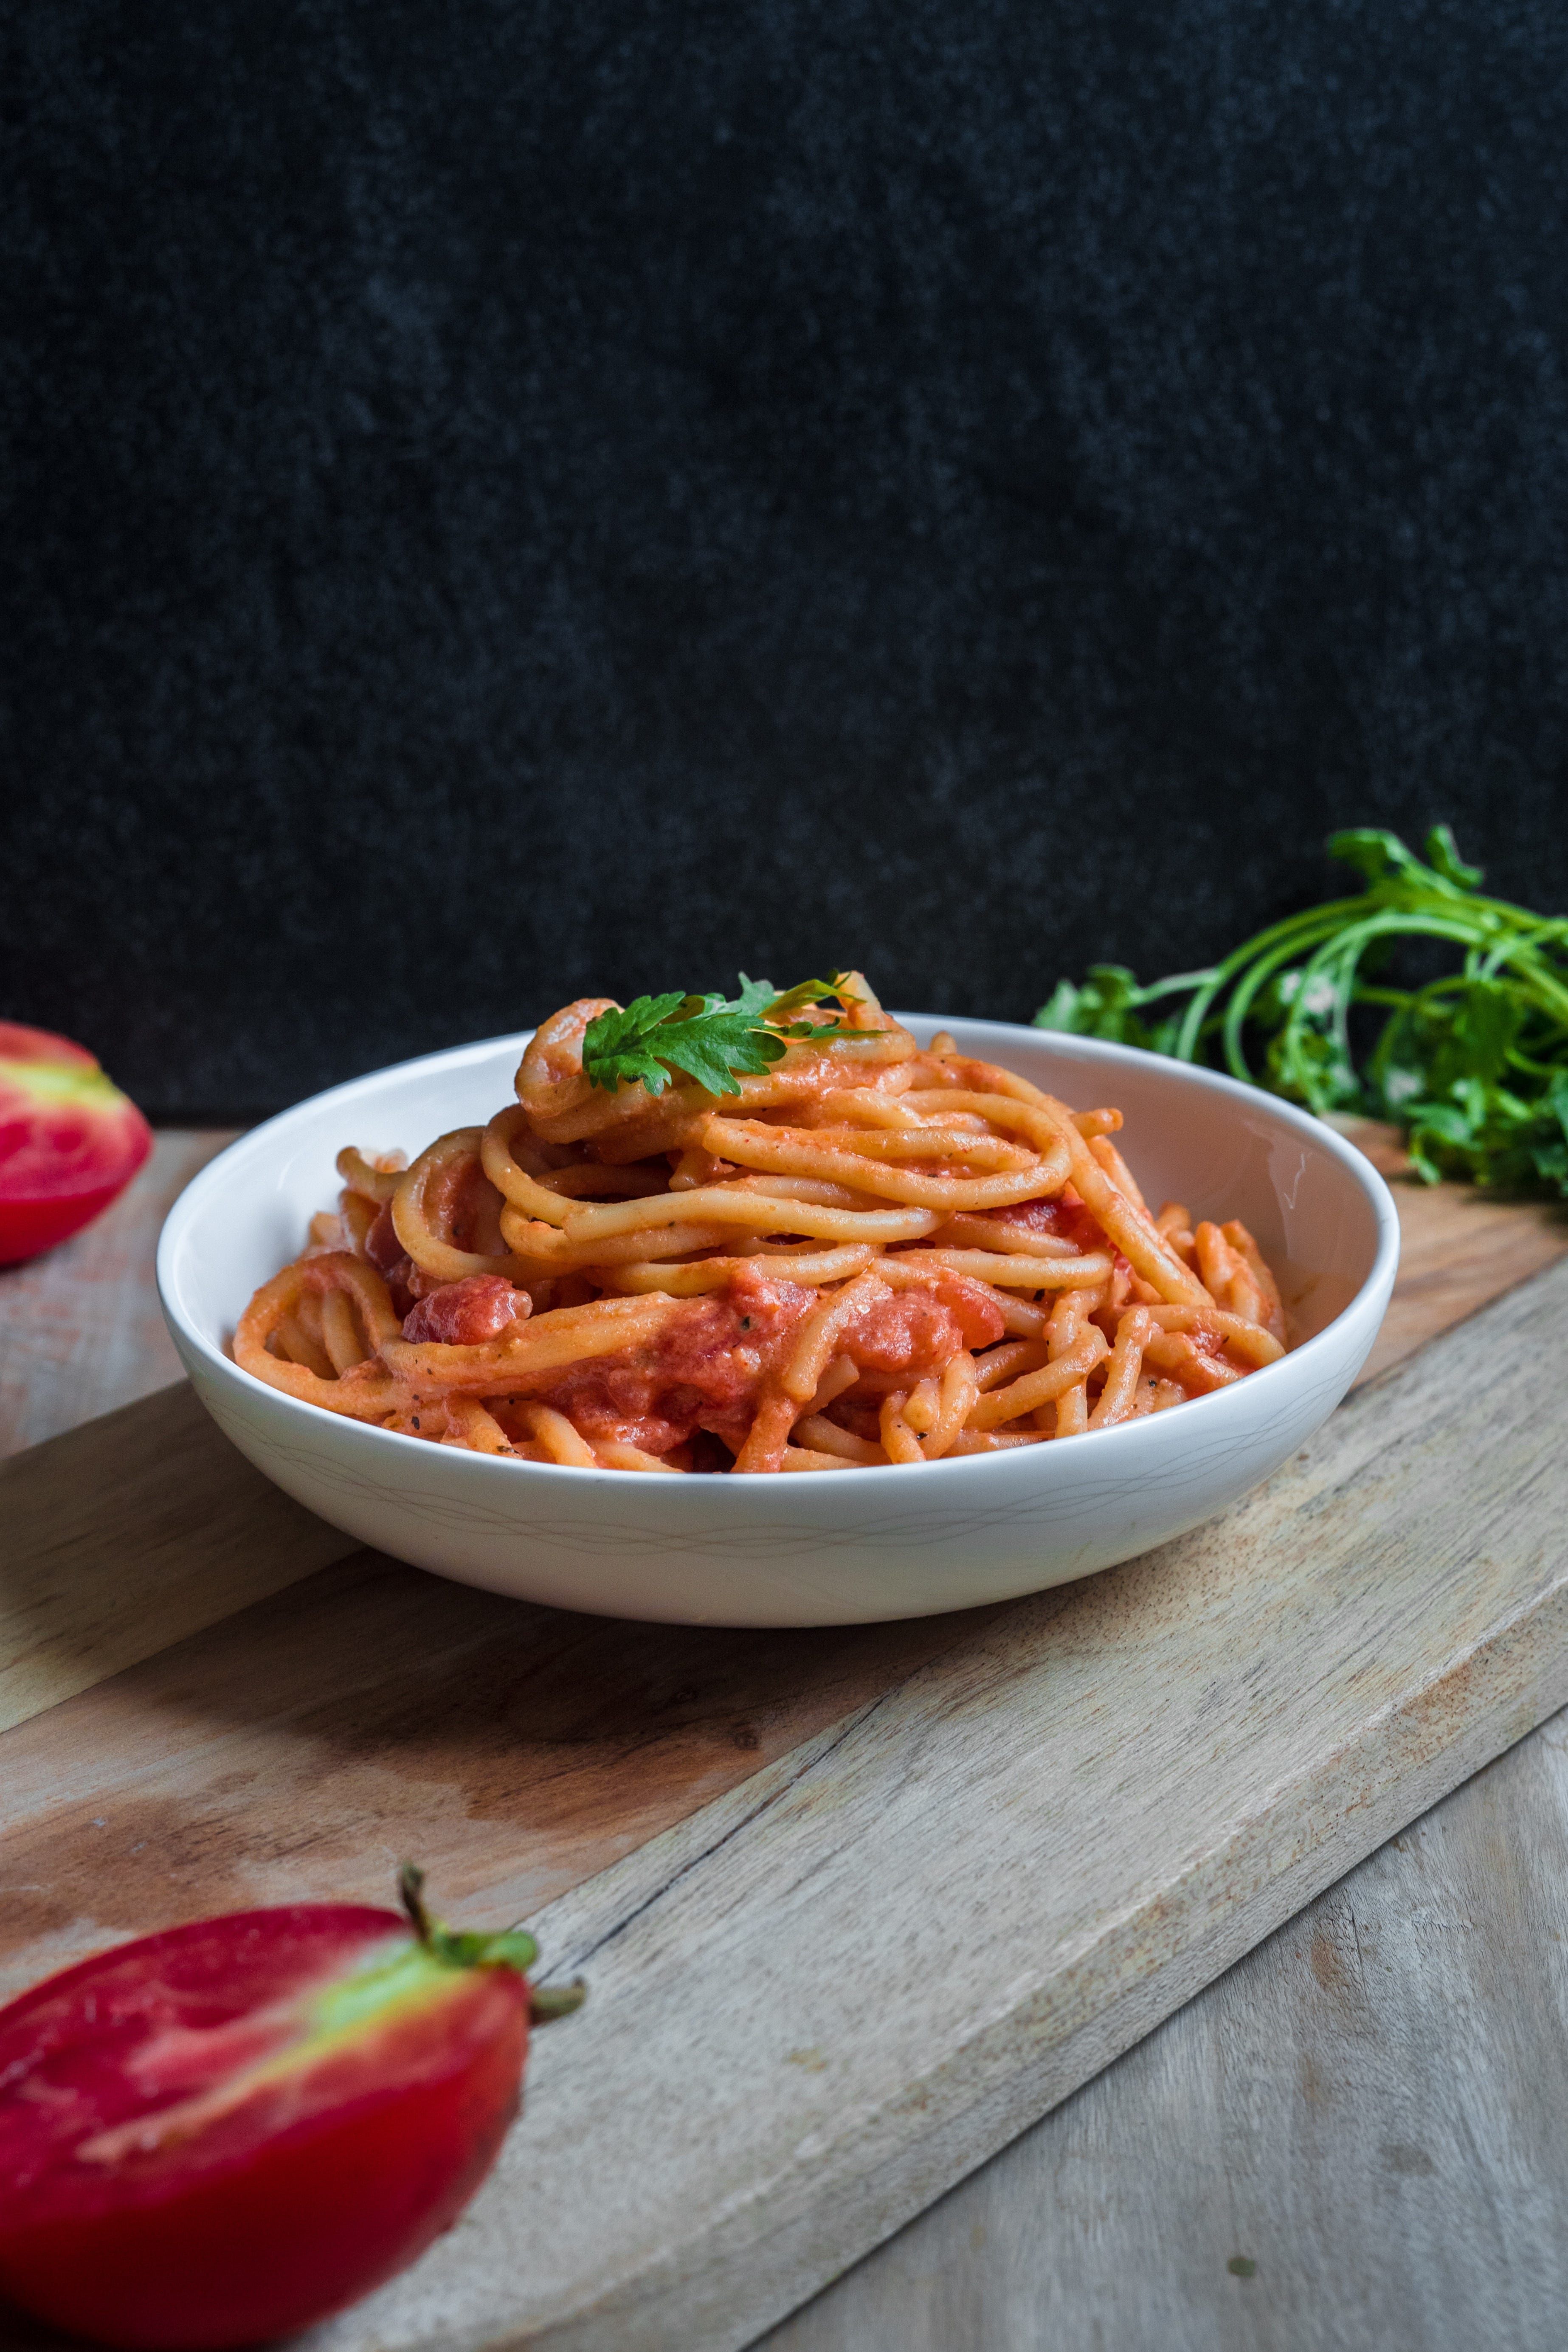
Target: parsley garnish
(1473,1065)
(713,1041)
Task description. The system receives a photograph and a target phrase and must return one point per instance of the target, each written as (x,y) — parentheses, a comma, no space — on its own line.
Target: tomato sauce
(702,1373)
(907,1334)
(467,1313)
(1065,1219)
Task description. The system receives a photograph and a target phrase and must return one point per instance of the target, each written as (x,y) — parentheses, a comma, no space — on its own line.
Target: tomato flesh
(69,1141)
(228,2131)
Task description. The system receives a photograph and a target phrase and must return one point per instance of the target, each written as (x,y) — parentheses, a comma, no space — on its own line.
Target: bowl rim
(1099,1051)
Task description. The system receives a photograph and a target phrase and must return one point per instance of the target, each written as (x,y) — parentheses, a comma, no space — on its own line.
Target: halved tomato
(69,1141)
(224,2132)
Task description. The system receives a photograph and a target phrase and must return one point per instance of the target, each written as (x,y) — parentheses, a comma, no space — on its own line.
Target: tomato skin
(260,2251)
(20,1043)
(281,2206)
(29,1228)
(70,1141)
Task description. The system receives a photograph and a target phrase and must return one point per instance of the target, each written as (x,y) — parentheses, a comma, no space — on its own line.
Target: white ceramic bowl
(832,1547)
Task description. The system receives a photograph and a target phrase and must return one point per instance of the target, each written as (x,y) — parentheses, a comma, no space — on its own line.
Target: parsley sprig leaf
(835,988)
(716,1042)
(1472,1064)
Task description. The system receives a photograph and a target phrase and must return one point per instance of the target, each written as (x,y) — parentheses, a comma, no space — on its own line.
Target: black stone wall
(509,498)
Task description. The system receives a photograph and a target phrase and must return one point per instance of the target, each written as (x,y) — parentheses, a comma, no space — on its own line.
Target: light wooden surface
(80,1329)
(1456,1247)
(1358,2136)
(119,1497)
(832,1990)
(829,1993)
(128,1534)
(1371,2110)
(300,1748)
(283,1750)
(391,1713)
(166,1532)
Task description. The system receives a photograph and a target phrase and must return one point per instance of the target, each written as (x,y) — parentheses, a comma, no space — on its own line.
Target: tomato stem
(514,1947)
(411,1894)
(547,2002)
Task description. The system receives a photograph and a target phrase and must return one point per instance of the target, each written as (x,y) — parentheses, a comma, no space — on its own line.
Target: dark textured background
(512,499)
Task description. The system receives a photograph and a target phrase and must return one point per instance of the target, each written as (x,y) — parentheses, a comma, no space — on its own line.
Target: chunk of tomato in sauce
(466,1314)
(382,1246)
(703,1370)
(1064,1219)
(908,1335)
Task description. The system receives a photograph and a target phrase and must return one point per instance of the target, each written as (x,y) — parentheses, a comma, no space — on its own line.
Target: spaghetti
(877,1255)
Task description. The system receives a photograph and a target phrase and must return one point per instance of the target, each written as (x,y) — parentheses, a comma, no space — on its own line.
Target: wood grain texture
(125,1535)
(832,1992)
(80,1329)
(214,1551)
(1371,2110)
(305,1745)
(1458,1247)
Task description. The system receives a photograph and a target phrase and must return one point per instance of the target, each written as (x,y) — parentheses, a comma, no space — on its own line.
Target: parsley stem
(1438,1060)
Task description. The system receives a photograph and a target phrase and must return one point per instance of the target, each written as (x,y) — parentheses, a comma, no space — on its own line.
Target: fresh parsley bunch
(1473,1065)
(712,1041)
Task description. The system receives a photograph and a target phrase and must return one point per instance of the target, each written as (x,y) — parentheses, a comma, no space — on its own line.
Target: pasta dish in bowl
(567,1348)
(879,1255)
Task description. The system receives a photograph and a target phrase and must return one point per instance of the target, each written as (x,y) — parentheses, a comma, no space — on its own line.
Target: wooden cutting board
(854,1905)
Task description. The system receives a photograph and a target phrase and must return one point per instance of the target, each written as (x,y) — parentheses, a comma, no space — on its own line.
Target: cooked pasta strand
(616,1455)
(1071,1409)
(900,1443)
(763,1212)
(1086,1273)
(825,1437)
(752,1148)
(426,1199)
(559,1438)
(1122,1369)
(955,1403)
(375,1179)
(820,1334)
(340,1332)
(842,1373)
(820,1268)
(769,1434)
(1005,1362)
(530,1350)
(1021,1396)
(965,1231)
(468,1423)
(1116,1168)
